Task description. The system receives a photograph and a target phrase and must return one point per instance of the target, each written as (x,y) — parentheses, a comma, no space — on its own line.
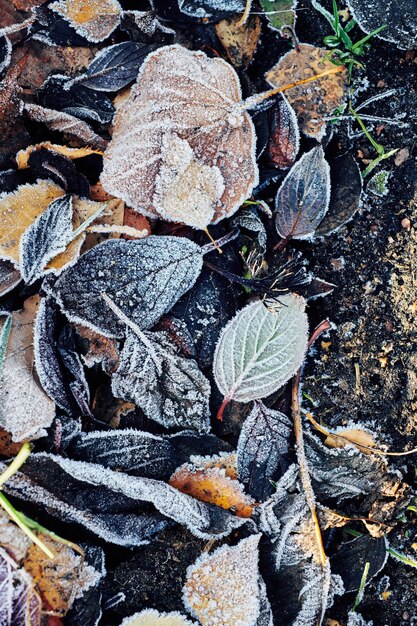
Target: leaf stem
(16,464)
(223,405)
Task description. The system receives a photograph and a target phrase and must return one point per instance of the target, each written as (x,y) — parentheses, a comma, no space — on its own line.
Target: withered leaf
(315,100)
(262,450)
(46,237)
(151,617)
(280,13)
(114,67)
(92,19)
(12,538)
(170,389)
(20,605)
(9,277)
(18,210)
(25,409)
(211,8)
(359,437)
(22,157)
(239,40)
(349,560)
(210,483)
(101,350)
(303,198)
(183,175)
(284,138)
(223,587)
(144,278)
(144,454)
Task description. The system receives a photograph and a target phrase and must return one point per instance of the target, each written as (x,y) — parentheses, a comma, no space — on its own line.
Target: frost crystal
(197,149)
(170,389)
(260,349)
(222,588)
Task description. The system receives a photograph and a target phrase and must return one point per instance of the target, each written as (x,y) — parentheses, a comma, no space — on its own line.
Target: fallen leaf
(350,559)
(151,617)
(399,18)
(303,198)
(239,40)
(12,538)
(357,436)
(208,482)
(20,605)
(284,139)
(9,276)
(316,100)
(211,8)
(223,588)
(194,178)
(25,409)
(13,133)
(8,447)
(22,157)
(101,350)
(281,14)
(95,20)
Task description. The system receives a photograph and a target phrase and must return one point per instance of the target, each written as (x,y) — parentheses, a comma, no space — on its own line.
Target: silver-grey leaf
(261,349)
(46,237)
(144,278)
(303,198)
(169,388)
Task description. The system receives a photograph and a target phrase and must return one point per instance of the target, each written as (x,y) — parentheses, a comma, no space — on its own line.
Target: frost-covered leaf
(20,605)
(362,439)
(49,366)
(151,617)
(284,137)
(262,450)
(22,157)
(93,19)
(46,237)
(182,175)
(61,580)
(378,184)
(261,349)
(313,101)
(86,609)
(209,482)
(75,373)
(399,19)
(239,40)
(303,588)
(5,52)
(345,196)
(145,25)
(144,278)
(170,389)
(106,490)
(18,210)
(350,559)
(211,8)
(25,409)
(12,538)
(6,327)
(65,123)
(280,13)
(303,198)
(144,454)
(100,349)
(248,218)
(223,588)
(9,277)
(114,67)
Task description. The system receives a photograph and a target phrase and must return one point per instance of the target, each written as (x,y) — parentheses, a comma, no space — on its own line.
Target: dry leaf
(101,349)
(150,617)
(19,209)
(22,157)
(12,538)
(12,131)
(239,40)
(222,588)
(60,580)
(313,101)
(93,19)
(9,277)
(8,447)
(357,436)
(208,481)
(196,146)
(20,605)
(25,409)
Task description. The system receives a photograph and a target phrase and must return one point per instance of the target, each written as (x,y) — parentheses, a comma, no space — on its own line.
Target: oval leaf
(303,198)
(260,349)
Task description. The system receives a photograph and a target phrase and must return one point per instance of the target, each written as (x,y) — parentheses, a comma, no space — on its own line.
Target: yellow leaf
(19,209)
(93,19)
(22,157)
(357,436)
(239,40)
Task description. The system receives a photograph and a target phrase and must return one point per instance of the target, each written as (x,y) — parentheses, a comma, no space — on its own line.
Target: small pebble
(405,223)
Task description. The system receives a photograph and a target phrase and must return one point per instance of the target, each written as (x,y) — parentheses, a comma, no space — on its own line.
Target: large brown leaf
(182,149)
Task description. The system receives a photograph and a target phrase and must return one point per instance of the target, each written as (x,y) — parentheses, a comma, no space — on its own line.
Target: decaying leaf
(170,389)
(100,350)
(261,348)
(316,100)
(262,450)
(143,454)
(182,175)
(46,237)
(222,588)
(18,210)
(360,438)
(25,409)
(239,40)
(303,198)
(280,13)
(93,19)
(210,483)
(9,277)
(20,605)
(22,157)
(61,580)
(284,138)
(150,617)
(144,278)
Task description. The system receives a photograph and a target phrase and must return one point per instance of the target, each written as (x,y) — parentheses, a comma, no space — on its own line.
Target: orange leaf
(357,436)
(22,157)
